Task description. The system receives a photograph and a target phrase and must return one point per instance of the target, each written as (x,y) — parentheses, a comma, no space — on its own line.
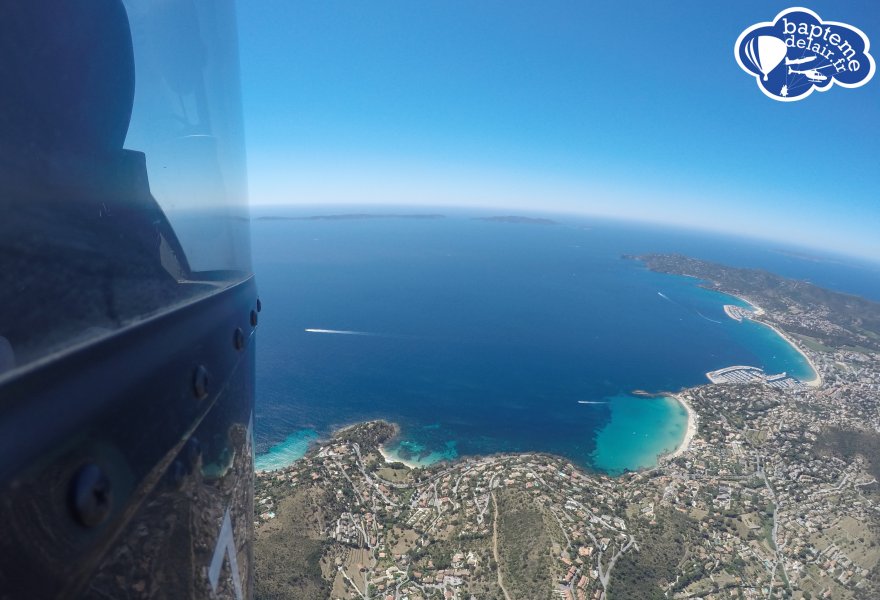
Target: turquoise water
(415,454)
(640,430)
(291,449)
(480,337)
(798,368)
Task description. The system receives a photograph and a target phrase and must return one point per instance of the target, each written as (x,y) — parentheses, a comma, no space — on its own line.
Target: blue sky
(634,110)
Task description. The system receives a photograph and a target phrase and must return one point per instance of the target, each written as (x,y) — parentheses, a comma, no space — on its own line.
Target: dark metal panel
(119,462)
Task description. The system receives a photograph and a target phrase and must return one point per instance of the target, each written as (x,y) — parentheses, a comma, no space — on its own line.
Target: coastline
(692,416)
(690,431)
(286,452)
(391,458)
(817,379)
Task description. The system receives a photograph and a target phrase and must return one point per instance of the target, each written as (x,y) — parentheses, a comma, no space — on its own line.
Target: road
(495,547)
(605,575)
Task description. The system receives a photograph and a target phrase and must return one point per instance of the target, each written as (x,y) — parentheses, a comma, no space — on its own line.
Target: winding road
(495,547)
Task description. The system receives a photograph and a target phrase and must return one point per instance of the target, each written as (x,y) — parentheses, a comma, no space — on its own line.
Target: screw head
(91,496)
(254,318)
(238,338)
(200,382)
(259,305)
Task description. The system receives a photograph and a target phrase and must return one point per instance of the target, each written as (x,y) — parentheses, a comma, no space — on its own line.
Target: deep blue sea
(479,337)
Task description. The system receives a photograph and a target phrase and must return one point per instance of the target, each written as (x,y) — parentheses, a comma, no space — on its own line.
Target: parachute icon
(765,52)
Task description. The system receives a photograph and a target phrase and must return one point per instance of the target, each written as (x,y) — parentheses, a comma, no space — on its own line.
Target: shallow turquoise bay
(286,452)
(640,430)
(480,337)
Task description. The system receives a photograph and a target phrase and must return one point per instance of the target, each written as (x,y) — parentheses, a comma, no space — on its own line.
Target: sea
(482,336)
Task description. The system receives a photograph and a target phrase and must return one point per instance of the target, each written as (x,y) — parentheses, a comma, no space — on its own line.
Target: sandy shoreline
(390,458)
(817,380)
(689,433)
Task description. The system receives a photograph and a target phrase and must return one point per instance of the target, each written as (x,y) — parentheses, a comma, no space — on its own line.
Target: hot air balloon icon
(765,52)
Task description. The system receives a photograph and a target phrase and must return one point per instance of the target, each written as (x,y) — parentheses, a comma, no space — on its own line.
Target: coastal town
(773,493)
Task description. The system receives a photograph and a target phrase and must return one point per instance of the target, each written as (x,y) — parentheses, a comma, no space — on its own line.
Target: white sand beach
(689,433)
(390,457)
(817,380)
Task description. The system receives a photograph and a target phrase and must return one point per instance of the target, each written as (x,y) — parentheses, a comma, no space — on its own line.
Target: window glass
(122,172)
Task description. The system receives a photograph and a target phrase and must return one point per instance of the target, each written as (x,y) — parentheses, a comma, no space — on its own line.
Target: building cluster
(786,509)
(775,507)
(741,374)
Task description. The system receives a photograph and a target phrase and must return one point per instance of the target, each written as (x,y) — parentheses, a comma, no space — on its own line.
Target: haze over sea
(479,336)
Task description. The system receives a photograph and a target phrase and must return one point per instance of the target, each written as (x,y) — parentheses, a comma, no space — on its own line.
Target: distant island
(774,493)
(351,217)
(518,219)
(809,257)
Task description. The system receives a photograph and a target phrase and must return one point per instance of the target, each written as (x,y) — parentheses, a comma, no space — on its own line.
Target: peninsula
(773,494)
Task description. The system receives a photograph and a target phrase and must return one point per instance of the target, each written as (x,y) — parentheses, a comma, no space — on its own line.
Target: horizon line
(872,260)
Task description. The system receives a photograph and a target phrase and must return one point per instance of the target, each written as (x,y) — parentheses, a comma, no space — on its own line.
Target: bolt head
(91,496)
(200,382)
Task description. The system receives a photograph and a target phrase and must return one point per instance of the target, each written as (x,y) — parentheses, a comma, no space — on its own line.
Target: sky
(632,110)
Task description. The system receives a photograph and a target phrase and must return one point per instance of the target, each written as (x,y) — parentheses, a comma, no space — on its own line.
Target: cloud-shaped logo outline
(832,80)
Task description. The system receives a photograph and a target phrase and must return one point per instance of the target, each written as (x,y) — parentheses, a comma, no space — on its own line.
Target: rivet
(200,382)
(238,338)
(254,318)
(259,305)
(91,496)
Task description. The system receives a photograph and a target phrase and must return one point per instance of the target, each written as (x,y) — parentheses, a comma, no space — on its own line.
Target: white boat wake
(338,331)
(707,318)
(668,299)
(590,402)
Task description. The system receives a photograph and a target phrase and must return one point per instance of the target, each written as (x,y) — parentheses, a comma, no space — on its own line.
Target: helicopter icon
(812,75)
